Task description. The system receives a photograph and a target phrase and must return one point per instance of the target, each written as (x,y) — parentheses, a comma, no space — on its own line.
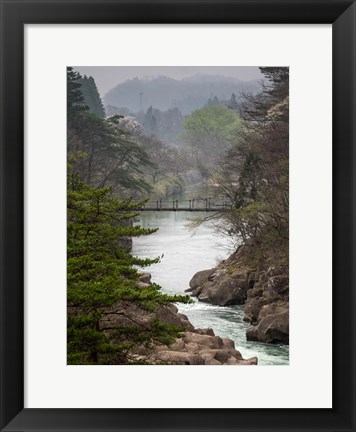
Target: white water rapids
(186,252)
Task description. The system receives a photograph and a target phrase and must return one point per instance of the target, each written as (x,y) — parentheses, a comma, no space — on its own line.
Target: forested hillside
(165,93)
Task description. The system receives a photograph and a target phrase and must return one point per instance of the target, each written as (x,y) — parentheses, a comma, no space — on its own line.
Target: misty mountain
(165,93)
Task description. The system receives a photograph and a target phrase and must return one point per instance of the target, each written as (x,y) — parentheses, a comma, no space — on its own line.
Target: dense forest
(231,146)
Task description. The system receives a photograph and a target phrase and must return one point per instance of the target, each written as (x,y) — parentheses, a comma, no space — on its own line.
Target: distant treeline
(165,93)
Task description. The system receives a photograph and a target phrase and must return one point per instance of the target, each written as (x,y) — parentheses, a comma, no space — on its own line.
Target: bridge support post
(160,203)
(176,204)
(190,204)
(193,203)
(173,204)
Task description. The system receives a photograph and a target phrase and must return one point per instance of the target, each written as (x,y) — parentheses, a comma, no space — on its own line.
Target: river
(184,252)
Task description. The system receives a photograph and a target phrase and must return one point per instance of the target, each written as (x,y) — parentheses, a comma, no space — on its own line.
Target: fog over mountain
(187,94)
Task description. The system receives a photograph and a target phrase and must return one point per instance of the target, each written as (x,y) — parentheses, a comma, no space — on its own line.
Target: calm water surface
(184,252)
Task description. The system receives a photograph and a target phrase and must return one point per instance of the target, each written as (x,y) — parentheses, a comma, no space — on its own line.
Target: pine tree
(215,100)
(91,96)
(232,104)
(100,273)
(75,99)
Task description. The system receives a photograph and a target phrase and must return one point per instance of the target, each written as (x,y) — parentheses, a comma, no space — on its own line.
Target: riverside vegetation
(116,315)
(254,176)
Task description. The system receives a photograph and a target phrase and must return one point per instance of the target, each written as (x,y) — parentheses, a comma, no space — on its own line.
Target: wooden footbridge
(191,205)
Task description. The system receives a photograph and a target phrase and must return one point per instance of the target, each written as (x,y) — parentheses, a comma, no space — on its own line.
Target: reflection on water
(184,252)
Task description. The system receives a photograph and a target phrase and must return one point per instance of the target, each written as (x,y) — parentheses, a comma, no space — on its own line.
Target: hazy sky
(107,77)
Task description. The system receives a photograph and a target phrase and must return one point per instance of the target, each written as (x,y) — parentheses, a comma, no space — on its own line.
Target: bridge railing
(193,204)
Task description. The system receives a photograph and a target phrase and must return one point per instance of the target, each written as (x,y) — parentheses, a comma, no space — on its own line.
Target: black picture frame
(14,15)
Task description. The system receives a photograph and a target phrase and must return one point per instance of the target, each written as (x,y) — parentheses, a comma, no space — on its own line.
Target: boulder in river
(220,286)
(267,307)
(271,328)
(264,294)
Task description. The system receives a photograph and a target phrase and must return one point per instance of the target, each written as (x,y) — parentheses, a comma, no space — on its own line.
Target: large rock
(220,286)
(169,315)
(253,307)
(178,357)
(199,279)
(271,329)
(267,307)
(194,347)
(125,314)
(197,349)
(145,278)
(129,314)
(204,340)
(264,294)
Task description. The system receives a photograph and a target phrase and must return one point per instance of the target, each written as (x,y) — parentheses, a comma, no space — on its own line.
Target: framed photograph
(164,134)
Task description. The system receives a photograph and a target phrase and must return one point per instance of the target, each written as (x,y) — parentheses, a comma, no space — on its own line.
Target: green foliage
(209,125)
(209,132)
(75,99)
(100,273)
(168,186)
(82,94)
(91,96)
(164,332)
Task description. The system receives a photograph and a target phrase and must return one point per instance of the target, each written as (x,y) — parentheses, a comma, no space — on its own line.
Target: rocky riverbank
(264,294)
(192,347)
